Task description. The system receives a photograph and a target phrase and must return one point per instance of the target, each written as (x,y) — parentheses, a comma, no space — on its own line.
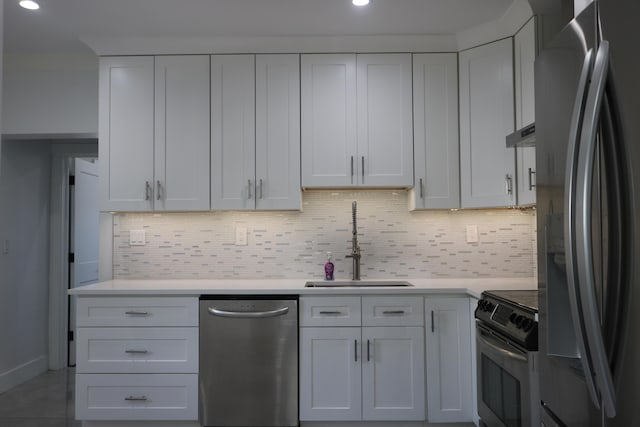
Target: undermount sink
(357,284)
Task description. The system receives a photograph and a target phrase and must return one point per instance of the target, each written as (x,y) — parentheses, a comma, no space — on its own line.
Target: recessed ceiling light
(28,4)
(360,2)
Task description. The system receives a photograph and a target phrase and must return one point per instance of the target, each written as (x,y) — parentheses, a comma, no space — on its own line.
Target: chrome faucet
(355,248)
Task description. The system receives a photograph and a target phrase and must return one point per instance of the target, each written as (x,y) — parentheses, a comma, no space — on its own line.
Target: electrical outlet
(137,238)
(241,236)
(472,233)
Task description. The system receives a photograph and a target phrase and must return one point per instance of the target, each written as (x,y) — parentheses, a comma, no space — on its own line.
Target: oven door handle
(498,346)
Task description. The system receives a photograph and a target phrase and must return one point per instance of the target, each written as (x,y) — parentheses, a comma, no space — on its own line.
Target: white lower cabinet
(137,359)
(370,373)
(449,360)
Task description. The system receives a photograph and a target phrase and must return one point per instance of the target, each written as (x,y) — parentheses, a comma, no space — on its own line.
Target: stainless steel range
(507,352)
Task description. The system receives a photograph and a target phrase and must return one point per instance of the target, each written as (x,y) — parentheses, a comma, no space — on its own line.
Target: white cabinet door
(182,133)
(278,132)
(126,133)
(393,374)
(328,119)
(330,374)
(525,55)
(487,166)
(233,132)
(449,359)
(385,133)
(435,132)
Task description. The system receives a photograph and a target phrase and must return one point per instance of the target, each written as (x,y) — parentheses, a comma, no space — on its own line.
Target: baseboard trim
(22,373)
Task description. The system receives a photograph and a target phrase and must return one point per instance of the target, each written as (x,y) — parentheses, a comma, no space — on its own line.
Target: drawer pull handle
(136,398)
(136,313)
(393,312)
(331,313)
(136,351)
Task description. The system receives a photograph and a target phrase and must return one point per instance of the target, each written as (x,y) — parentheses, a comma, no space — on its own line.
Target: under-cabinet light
(360,2)
(29,4)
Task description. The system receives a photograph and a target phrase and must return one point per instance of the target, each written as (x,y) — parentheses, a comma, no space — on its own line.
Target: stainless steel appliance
(506,348)
(248,361)
(588,182)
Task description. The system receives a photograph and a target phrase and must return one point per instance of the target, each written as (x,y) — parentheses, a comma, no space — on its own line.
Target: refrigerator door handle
(584,244)
(569,226)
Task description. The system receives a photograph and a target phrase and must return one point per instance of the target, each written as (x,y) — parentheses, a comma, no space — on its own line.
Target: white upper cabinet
(487,167)
(435,132)
(182,133)
(154,133)
(385,133)
(255,132)
(356,120)
(328,117)
(525,55)
(233,132)
(126,133)
(278,132)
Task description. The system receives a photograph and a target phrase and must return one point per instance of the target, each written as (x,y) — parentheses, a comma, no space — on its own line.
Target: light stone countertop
(195,287)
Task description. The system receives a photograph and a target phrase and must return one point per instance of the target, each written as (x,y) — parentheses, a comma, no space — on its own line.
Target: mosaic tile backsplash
(395,243)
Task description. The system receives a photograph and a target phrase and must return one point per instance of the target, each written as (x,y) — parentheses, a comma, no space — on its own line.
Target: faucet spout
(355,247)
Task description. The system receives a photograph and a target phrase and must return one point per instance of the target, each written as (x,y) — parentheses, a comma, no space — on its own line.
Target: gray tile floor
(45,401)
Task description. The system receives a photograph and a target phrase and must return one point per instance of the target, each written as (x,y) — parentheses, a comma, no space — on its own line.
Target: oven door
(504,381)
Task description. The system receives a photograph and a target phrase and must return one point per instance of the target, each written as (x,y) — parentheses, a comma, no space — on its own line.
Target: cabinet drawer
(137,397)
(330,311)
(392,311)
(137,350)
(137,311)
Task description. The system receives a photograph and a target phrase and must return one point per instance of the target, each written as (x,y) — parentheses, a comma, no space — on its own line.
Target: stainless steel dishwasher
(248,361)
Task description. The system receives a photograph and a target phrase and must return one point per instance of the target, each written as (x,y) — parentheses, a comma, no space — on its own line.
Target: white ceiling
(59,24)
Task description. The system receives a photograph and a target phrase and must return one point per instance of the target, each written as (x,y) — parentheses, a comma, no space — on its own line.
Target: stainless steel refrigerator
(588,177)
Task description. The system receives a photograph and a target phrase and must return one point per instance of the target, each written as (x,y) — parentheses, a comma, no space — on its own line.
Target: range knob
(489,306)
(513,317)
(527,325)
(519,320)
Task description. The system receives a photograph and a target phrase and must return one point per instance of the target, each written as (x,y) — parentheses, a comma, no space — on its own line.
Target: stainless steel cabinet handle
(363,169)
(261,188)
(421,189)
(136,313)
(248,314)
(249,187)
(136,398)
(158,190)
(531,184)
(352,169)
(330,313)
(393,312)
(147,190)
(509,184)
(355,350)
(433,323)
(142,351)
(368,351)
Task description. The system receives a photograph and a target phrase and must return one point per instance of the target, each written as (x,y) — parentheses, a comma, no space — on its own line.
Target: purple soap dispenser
(328,268)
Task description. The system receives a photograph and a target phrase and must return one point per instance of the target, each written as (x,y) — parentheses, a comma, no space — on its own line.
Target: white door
(330,374)
(182,133)
(278,132)
(385,130)
(435,136)
(393,373)
(233,138)
(84,234)
(328,120)
(487,166)
(449,359)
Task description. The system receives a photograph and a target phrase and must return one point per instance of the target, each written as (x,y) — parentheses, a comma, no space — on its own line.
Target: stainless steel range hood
(525,137)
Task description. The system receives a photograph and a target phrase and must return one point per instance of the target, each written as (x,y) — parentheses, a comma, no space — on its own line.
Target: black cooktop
(527,298)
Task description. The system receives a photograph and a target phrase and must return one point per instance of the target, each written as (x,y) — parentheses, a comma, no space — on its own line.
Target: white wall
(24,237)
(50,94)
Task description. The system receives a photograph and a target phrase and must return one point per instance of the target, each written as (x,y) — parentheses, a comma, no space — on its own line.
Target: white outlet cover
(241,236)
(472,233)
(137,238)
